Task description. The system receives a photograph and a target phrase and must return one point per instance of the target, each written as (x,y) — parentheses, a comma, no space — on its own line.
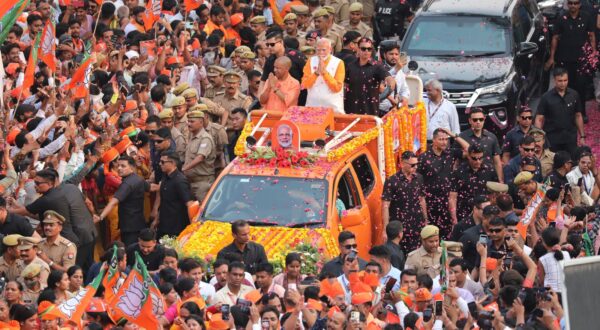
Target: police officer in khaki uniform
(200,154)
(333,23)
(30,277)
(217,112)
(57,251)
(180,88)
(9,264)
(28,253)
(259,26)
(340,9)
(355,22)
(180,114)
(166,120)
(233,98)
(247,63)
(303,14)
(291,28)
(219,136)
(426,259)
(215,77)
(321,21)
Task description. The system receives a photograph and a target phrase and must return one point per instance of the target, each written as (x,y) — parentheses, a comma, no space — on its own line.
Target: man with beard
(136,20)
(436,166)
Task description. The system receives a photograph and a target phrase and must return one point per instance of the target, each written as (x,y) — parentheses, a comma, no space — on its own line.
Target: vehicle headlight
(496,88)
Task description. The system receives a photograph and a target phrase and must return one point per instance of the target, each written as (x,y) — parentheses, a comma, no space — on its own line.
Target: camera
(244,305)
(351,256)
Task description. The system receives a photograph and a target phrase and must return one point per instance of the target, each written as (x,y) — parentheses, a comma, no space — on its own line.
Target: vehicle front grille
(460,100)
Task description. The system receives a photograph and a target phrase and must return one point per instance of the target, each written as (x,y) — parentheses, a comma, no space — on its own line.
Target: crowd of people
(118,115)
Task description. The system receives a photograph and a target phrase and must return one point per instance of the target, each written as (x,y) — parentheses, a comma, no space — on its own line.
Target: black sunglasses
(159,141)
(271,44)
(478,119)
(351,246)
(476,158)
(366,49)
(150,131)
(529,149)
(496,230)
(526,117)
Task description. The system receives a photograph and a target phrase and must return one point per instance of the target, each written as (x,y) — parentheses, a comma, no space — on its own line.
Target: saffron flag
(79,81)
(32,63)
(152,14)
(111,281)
(531,209)
(192,5)
(74,308)
(135,300)
(48,45)
(10,10)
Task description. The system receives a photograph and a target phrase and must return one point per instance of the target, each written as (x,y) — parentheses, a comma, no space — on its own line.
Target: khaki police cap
(180,88)
(496,187)
(429,231)
(189,93)
(53,217)
(11,240)
(300,9)
(195,114)
(329,9)
(32,270)
(177,101)
(215,70)
(536,131)
(248,55)
(320,13)
(523,177)
(166,113)
(308,50)
(232,76)
(356,6)
(290,17)
(454,247)
(242,49)
(258,19)
(199,107)
(26,243)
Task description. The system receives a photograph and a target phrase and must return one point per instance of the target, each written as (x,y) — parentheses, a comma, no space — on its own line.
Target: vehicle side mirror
(351,218)
(527,48)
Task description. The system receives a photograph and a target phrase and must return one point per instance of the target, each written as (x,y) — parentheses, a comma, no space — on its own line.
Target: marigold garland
(240,146)
(390,159)
(208,238)
(407,135)
(349,147)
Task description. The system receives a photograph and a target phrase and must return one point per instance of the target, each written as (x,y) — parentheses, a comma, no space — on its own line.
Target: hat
(131,54)
(215,70)
(523,177)
(248,55)
(232,76)
(26,243)
(53,217)
(123,144)
(290,16)
(329,9)
(496,187)
(535,131)
(109,155)
(65,38)
(454,247)
(308,50)
(330,289)
(356,6)
(11,240)
(177,101)
(236,19)
(131,105)
(300,9)
(258,19)
(180,88)
(429,231)
(174,60)
(189,93)
(242,49)
(314,304)
(11,68)
(423,294)
(216,322)
(195,114)
(199,107)
(362,297)
(320,12)
(314,34)
(166,113)
(32,270)
(49,311)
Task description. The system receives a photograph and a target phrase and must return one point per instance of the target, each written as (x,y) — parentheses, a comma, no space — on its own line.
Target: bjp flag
(73,308)
(48,45)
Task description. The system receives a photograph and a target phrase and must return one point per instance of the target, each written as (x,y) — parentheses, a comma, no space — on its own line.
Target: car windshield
(268,200)
(457,36)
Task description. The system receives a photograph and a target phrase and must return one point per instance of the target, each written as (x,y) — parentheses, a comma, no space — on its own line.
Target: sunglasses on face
(150,131)
(350,246)
(366,49)
(496,230)
(476,159)
(529,149)
(478,119)
(271,44)
(526,117)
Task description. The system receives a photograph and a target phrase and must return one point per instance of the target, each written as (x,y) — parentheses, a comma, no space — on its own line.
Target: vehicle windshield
(268,200)
(457,36)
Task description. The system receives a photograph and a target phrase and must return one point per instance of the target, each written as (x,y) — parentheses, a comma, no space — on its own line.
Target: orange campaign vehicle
(304,175)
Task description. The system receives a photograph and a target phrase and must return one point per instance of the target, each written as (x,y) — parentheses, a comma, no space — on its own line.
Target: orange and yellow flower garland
(390,159)
(240,146)
(349,147)
(208,238)
(407,134)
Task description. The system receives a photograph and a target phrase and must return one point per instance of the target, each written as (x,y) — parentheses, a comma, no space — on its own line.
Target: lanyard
(436,109)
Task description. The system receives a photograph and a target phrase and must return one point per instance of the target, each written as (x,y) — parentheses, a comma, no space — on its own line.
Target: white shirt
(553,274)
(588,180)
(442,115)
(207,291)
(401,89)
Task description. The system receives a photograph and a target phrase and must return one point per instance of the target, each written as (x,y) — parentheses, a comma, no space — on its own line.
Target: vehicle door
(523,31)
(371,186)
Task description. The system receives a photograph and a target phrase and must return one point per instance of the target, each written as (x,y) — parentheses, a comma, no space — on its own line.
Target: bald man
(324,78)
(281,90)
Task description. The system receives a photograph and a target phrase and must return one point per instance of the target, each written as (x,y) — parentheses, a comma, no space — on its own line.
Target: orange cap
(360,287)
(236,19)
(123,144)
(422,294)
(491,264)
(110,155)
(332,311)
(371,279)
(362,297)
(331,289)
(314,304)
(216,322)
(48,311)
(11,69)
(254,296)
(12,135)
(131,105)
(174,60)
